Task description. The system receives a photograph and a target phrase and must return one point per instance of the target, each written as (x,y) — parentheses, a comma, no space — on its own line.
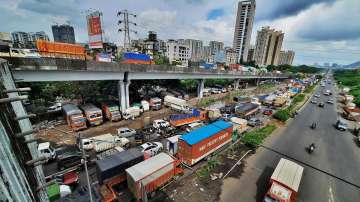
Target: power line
(126,29)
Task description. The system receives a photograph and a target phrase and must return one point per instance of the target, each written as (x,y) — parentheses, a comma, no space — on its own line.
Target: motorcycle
(311,148)
(313,125)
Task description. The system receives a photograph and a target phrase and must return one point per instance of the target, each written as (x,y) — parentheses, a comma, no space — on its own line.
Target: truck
(131,113)
(151,174)
(246,110)
(284,182)
(74,117)
(46,150)
(213,114)
(239,125)
(145,105)
(155,103)
(200,143)
(111,111)
(176,104)
(182,119)
(110,171)
(103,142)
(92,114)
(279,102)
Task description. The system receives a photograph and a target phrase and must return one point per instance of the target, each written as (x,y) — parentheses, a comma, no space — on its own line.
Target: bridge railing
(74,65)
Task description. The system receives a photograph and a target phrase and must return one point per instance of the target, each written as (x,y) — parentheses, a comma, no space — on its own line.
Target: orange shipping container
(61,48)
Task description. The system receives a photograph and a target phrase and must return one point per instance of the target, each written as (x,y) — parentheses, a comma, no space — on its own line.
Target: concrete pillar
(236,84)
(257,82)
(200,90)
(127,94)
(122,101)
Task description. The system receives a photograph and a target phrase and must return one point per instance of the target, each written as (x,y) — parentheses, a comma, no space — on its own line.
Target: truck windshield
(269,199)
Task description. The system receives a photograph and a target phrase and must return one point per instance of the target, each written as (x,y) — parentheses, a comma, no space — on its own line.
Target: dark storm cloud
(270,10)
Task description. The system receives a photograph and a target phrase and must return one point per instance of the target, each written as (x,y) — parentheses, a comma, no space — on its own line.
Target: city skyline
(335,41)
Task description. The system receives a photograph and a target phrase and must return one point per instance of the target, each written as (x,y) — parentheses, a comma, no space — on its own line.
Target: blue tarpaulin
(136,56)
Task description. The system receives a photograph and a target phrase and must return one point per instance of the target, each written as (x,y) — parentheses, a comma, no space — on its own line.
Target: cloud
(215,13)
(52,7)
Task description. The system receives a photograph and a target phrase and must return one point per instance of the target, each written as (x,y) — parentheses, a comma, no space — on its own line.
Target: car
(268,112)
(321,104)
(313,101)
(254,122)
(68,158)
(70,178)
(341,125)
(126,132)
(159,123)
(215,91)
(151,148)
(331,101)
(316,95)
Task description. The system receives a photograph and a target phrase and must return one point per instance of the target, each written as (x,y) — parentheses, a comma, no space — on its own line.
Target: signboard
(103,57)
(94,30)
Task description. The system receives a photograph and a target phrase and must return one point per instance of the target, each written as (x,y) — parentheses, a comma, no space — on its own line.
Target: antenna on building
(126,29)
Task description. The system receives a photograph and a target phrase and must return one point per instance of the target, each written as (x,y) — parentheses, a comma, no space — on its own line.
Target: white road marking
(331,195)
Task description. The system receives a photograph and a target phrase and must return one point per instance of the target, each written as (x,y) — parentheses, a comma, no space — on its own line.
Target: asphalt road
(336,154)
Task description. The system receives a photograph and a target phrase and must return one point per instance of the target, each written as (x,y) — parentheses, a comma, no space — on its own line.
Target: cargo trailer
(183,119)
(151,174)
(92,114)
(74,117)
(202,142)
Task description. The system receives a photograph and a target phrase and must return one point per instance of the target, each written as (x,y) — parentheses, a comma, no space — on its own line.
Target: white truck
(46,150)
(104,142)
(145,105)
(176,104)
(131,113)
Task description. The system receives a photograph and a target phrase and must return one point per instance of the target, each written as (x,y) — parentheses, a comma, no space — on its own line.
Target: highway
(336,154)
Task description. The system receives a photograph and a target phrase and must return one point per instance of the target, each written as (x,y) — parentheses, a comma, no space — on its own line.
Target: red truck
(74,117)
(155,103)
(182,119)
(284,182)
(202,142)
(111,111)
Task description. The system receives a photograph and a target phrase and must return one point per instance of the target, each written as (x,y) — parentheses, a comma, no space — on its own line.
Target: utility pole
(86,168)
(126,29)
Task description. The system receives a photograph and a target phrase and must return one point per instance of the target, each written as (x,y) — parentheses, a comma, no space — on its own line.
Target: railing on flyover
(83,65)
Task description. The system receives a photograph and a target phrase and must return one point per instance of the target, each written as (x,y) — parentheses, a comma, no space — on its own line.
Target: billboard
(94,30)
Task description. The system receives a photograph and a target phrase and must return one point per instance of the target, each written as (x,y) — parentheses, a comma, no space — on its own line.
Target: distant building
(151,44)
(243,28)
(216,46)
(286,57)
(177,51)
(27,40)
(5,39)
(251,53)
(196,48)
(268,46)
(63,33)
(230,56)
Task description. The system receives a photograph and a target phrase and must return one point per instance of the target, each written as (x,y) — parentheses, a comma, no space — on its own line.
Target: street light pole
(86,169)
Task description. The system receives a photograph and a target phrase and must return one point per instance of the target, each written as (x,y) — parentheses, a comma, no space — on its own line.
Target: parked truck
(149,175)
(155,103)
(182,119)
(74,117)
(111,111)
(92,114)
(131,113)
(104,142)
(176,104)
(110,171)
(284,182)
(202,142)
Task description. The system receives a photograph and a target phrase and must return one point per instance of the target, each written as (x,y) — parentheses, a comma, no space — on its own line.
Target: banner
(94,30)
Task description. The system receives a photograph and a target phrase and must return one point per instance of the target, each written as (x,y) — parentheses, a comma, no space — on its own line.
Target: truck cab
(45,149)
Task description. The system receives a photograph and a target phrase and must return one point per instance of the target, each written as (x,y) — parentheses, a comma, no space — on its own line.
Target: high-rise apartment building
(27,40)
(230,56)
(216,46)
(286,57)
(268,46)
(63,33)
(196,49)
(243,28)
(251,52)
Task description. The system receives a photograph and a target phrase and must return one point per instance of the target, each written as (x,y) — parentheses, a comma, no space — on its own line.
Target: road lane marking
(331,195)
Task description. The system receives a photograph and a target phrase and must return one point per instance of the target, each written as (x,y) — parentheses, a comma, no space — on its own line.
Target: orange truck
(74,117)
(62,50)
(92,114)
(183,119)
(284,182)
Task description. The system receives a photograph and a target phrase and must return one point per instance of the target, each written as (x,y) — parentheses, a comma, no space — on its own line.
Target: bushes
(298,98)
(254,138)
(283,114)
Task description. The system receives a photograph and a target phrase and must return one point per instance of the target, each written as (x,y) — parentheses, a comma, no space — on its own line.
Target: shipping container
(182,119)
(74,117)
(202,142)
(57,49)
(92,114)
(151,174)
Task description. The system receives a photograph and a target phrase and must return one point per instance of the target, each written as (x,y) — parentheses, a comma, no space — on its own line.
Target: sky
(317,30)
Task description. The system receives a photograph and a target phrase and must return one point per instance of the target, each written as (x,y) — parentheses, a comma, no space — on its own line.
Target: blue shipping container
(136,56)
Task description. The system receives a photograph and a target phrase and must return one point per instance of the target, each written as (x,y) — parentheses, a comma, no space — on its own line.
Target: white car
(215,91)
(160,124)
(330,101)
(126,132)
(151,148)
(316,95)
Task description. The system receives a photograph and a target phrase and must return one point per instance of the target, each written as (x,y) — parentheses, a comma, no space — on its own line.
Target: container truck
(74,117)
(149,175)
(284,182)
(131,113)
(202,142)
(111,111)
(145,105)
(182,119)
(110,171)
(92,114)
(176,104)
(104,142)
(155,103)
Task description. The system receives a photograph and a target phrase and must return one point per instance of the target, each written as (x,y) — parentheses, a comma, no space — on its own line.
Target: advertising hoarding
(95,30)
